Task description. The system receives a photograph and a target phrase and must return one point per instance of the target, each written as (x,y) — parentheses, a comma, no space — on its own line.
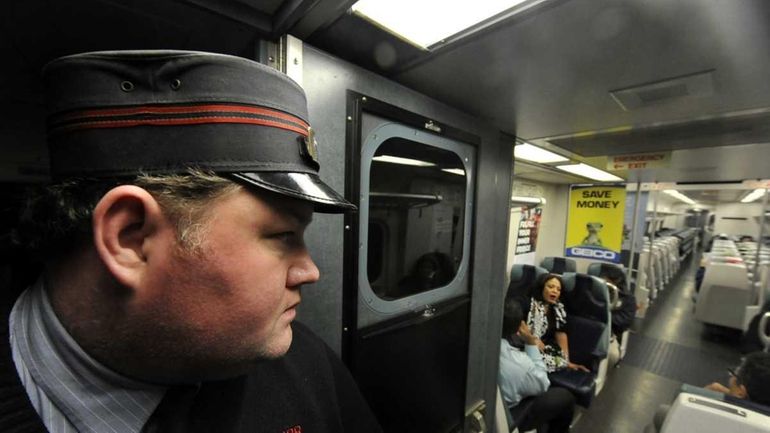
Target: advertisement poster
(628,222)
(595,224)
(529,223)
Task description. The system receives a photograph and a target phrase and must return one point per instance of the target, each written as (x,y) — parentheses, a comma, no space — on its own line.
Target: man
(750,381)
(523,375)
(624,311)
(173,247)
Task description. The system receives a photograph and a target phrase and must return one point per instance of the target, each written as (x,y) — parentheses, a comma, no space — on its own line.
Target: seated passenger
(523,374)
(429,271)
(624,311)
(547,319)
(750,381)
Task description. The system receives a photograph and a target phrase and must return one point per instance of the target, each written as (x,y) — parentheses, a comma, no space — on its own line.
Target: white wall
(553,225)
(750,211)
(670,210)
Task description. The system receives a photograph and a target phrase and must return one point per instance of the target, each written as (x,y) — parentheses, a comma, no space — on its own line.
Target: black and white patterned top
(545,324)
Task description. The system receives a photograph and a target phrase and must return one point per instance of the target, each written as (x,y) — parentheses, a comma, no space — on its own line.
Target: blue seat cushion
(580,383)
(587,340)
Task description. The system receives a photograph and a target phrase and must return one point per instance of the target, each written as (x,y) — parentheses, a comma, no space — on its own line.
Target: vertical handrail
(634,225)
(651,257)
(762,220)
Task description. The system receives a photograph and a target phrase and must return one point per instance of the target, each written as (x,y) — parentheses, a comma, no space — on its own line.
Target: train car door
(407,265)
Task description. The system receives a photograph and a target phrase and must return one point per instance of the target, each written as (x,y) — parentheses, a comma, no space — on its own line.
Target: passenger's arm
(718,387)
(535,380)
(561,340)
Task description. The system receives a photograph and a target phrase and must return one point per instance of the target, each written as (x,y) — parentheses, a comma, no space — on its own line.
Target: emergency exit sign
(639,161)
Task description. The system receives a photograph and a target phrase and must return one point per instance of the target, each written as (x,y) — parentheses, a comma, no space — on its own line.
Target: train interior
(463,152)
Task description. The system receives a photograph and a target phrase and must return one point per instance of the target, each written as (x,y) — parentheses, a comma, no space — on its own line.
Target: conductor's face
(232,300)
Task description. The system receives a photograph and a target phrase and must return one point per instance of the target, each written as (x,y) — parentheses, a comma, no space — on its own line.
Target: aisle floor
(666,349)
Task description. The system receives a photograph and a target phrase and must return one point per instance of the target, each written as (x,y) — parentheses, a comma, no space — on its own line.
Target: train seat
(558,265)
(724,295)
(644,290)
(522,279)
(596,270)
(704,411)
(586,300)
(665,265)
(507,420)
(762,329)
(582,384)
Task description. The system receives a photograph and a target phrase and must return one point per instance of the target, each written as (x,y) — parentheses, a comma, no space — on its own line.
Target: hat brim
(303,186)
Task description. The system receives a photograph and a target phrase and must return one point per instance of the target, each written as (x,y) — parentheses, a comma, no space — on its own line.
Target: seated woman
(523,374)
(548,320)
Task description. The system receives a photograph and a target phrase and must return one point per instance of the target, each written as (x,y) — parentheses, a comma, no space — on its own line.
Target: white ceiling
(551,74)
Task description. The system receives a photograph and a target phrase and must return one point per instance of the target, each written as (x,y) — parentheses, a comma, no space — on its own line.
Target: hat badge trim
(168,115)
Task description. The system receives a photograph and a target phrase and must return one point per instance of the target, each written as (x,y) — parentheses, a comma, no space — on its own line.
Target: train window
(414,222)
(375,251)
(418,191)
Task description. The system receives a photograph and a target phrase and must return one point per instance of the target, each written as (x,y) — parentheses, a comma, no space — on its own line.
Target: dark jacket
(308,390)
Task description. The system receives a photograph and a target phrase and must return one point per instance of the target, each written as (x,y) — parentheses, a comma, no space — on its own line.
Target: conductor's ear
(128,224)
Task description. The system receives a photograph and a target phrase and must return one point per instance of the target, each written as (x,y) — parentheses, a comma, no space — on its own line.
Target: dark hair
(537,289)
(440,263)
(56,218)
(754,374)
(513,314)
(615,275)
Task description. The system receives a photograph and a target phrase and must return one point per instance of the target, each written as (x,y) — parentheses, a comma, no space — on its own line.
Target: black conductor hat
(121,113)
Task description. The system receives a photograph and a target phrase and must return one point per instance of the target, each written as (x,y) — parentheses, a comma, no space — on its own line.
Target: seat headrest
(585,296)
(522,279)
(597,269)
(558,265)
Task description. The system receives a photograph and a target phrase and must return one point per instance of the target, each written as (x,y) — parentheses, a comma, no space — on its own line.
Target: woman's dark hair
(754,374)
(537,289)
(513,314)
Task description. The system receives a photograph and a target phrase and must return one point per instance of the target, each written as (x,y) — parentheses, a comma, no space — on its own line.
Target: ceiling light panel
(428,22)
(679,196)
(586,170)
(753,195)
(403,161)
(457,171)
(532,153)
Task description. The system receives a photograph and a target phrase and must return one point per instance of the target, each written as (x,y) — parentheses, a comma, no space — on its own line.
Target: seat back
(558,265)
(724,295)
(764,336)
(597,269)
(697,412)
(586,300)
(522,279)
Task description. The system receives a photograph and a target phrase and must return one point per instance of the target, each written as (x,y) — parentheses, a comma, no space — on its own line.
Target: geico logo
(596,254)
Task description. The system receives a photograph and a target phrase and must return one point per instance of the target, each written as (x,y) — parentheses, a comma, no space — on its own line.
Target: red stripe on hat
(182,109)
(127,123)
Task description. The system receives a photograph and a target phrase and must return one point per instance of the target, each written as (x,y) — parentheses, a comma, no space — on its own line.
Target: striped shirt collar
(92,397)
